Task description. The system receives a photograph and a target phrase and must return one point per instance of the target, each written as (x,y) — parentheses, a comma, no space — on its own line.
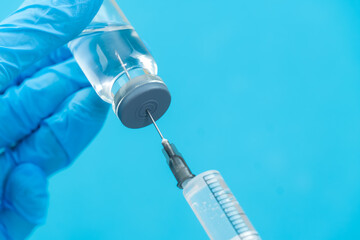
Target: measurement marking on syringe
(227,202)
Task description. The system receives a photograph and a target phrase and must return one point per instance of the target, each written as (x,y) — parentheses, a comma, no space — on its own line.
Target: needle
(175,161)
(153,121)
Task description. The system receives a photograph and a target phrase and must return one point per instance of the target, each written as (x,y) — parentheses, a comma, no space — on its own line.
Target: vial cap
(142,93)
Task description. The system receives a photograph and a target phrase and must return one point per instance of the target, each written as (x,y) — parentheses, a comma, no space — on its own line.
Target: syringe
(209,197)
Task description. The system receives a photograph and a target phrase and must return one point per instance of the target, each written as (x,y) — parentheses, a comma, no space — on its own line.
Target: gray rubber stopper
(138,95)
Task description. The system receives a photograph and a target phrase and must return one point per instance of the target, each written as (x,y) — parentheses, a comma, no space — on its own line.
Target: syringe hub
(177,164)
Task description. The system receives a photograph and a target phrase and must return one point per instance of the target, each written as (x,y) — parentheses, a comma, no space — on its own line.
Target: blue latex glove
(48,111)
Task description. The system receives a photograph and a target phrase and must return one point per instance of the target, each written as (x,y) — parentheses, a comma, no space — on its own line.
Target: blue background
(266,92)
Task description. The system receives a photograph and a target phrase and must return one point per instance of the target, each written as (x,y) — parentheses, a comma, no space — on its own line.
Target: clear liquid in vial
(108,53)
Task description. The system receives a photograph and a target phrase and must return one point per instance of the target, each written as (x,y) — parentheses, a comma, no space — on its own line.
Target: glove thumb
(25,201)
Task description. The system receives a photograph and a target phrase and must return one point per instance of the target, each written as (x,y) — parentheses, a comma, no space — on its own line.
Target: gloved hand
(48,111)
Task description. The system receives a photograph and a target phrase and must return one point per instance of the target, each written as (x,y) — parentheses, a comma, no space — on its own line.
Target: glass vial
(120,68)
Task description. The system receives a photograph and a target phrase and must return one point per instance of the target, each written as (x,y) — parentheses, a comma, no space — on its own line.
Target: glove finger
(62,136)
(6,165)
(61,54)
(25,201)
(25,106)
(37,28)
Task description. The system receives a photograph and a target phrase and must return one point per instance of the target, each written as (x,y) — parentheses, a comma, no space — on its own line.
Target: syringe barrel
(217,209)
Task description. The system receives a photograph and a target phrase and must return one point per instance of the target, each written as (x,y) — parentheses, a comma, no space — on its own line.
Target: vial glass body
(110,52)
(120,67)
